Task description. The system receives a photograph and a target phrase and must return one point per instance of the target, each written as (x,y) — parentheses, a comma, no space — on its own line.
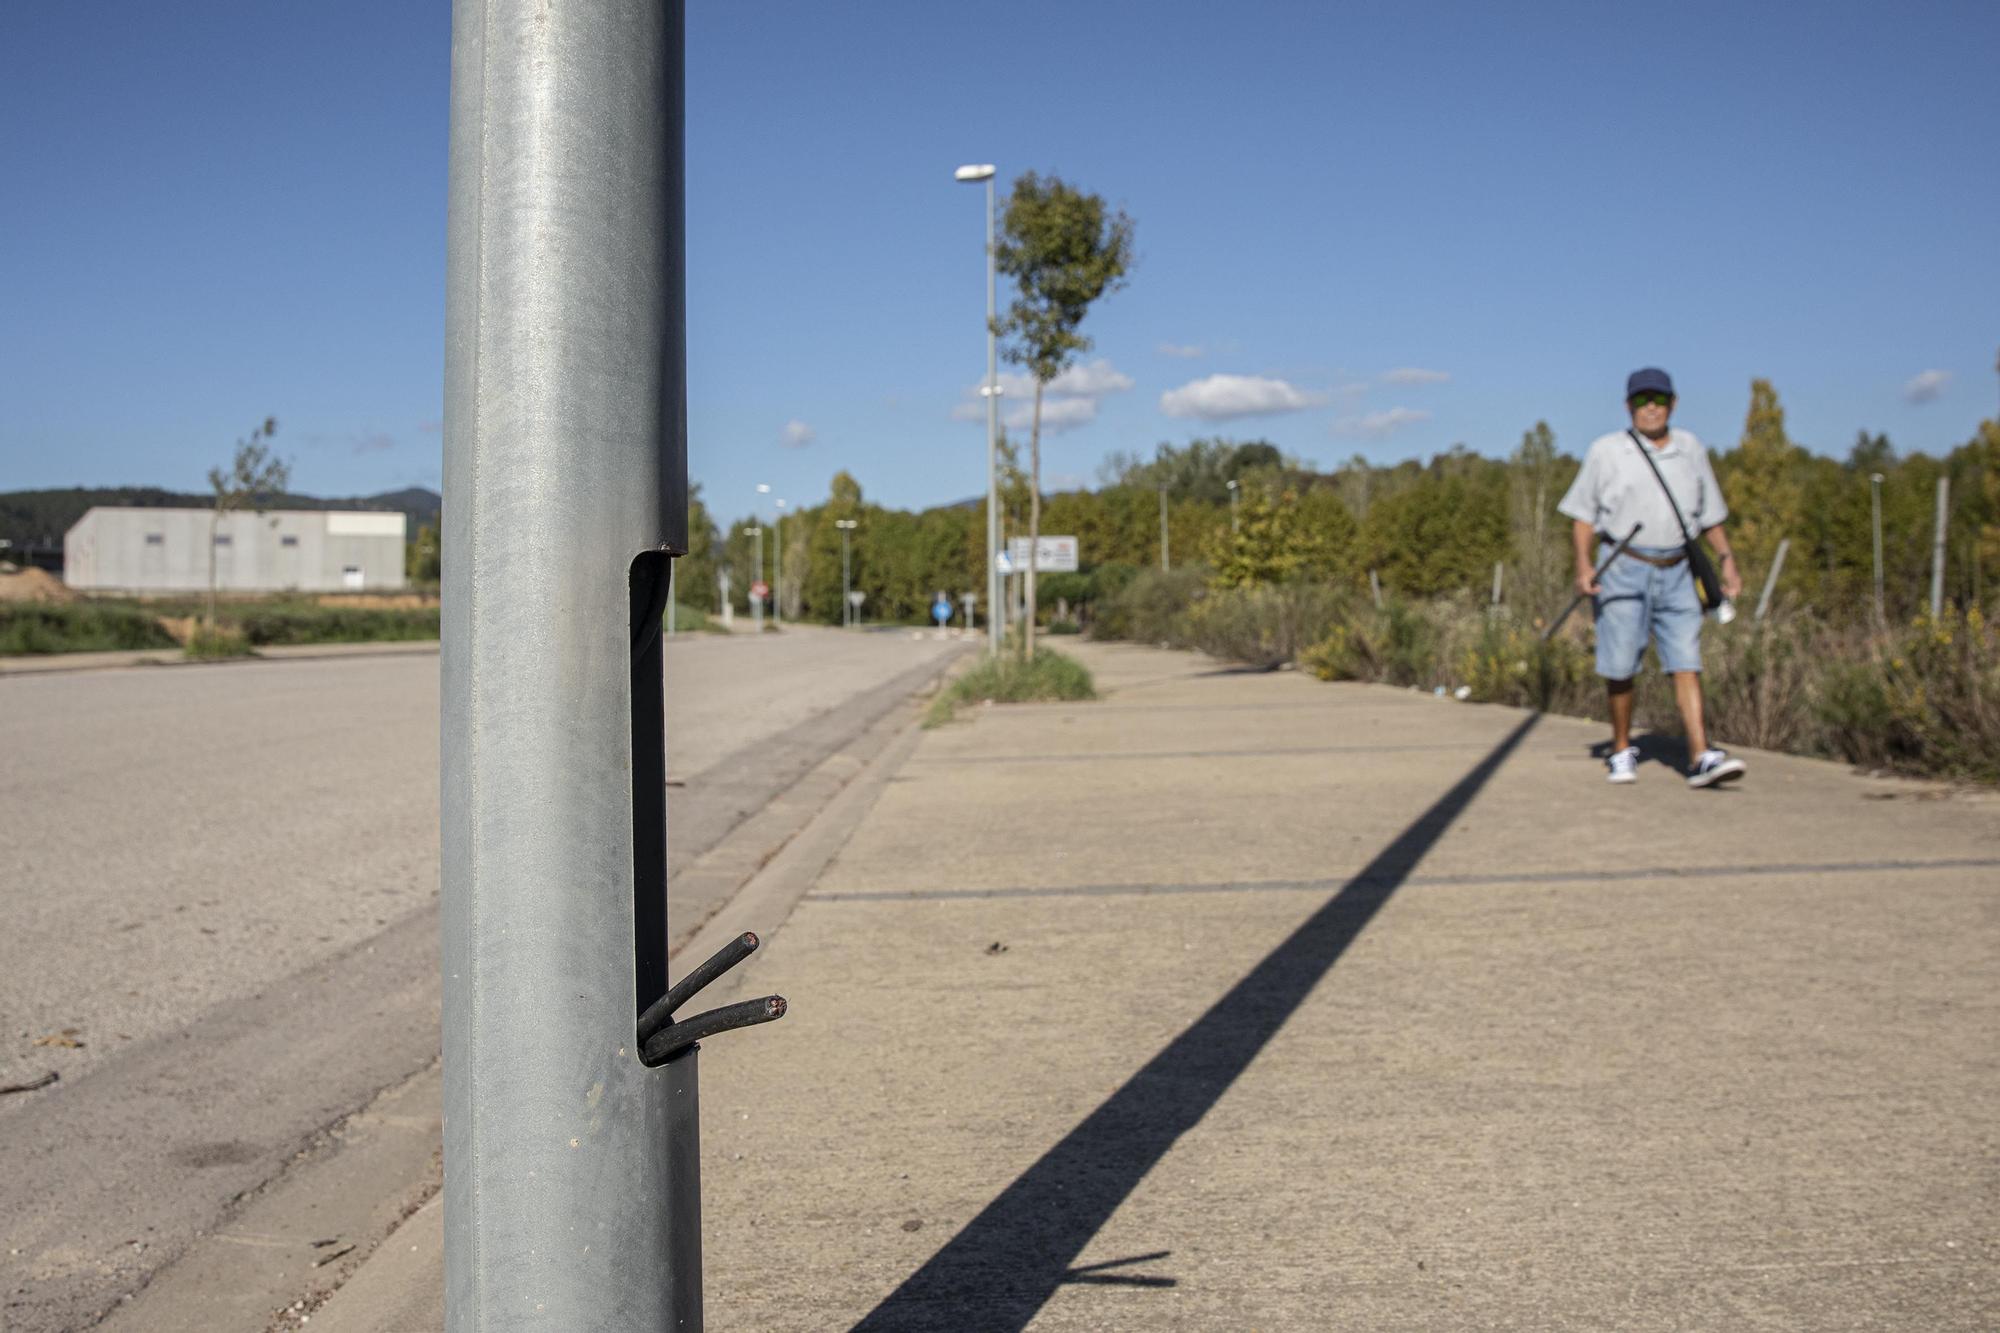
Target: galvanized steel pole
(1875,514)
(1937,549)
(568,1199)
(992,438)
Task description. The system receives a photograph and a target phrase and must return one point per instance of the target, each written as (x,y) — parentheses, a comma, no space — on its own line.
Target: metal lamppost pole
(778,567)
(1937,548)
(1875,506)
(1233,495)
(572,1171)
(756,602)
(771,595)
(846,526)
(990,391)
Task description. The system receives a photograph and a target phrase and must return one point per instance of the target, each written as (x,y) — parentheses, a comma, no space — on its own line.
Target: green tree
(1764,483)
(822,591)
(1200,470)
(422,555)
(1064,249)
(1292,538)
(695,581)
(254,474)
(1439,530)
(1534,484)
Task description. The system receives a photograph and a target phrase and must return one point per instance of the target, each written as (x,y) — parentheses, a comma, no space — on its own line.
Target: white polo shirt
(1615,489)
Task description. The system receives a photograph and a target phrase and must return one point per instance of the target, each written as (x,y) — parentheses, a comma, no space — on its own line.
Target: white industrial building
(280,550)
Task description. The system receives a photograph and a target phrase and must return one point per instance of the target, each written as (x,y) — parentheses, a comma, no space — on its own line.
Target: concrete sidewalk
(1244,1001)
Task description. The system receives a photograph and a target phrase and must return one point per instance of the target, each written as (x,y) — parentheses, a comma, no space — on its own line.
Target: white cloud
(1923,388)
(1220,397)
(1070,399)
(796,434)
(1095,380)
(1058,414)
(1185,351)
(1380,425)
(1415,375)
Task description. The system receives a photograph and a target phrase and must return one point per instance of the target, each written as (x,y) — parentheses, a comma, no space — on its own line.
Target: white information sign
(1055,555)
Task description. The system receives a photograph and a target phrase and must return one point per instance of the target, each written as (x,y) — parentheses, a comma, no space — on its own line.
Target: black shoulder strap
(1647,454)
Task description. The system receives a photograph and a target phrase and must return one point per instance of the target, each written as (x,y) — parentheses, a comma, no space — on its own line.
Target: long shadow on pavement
(998,1271)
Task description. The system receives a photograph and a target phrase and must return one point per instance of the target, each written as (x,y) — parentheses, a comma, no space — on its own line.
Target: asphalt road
(218,885)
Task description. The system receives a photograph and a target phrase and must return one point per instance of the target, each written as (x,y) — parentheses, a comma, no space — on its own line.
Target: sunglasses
(1651,398)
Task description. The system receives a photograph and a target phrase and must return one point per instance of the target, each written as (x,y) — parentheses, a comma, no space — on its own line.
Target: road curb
(761,867)
(59,663)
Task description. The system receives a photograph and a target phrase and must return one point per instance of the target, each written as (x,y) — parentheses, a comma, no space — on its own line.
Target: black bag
(1706,585)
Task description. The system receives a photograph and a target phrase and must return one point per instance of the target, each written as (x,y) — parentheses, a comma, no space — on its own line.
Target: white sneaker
(1625,764)
(1713,766)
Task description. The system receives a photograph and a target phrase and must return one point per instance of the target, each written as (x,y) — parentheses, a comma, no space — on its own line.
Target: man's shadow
(1655,747)
(1002,1267)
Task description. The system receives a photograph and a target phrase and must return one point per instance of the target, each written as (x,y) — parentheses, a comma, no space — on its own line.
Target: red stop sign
(760,590)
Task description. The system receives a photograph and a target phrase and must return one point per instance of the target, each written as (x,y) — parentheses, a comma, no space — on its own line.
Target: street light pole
(756,602)
(1875,505)
(846,526)
(778,567)
(990,391)
(571,1195)
(1232,505)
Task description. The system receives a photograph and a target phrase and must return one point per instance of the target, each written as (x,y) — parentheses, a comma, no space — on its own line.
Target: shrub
(1758,682)
(295,623)
(1511,664)
(1398,645)
(78,627)
(1005,678)
(1927,702)
(1924,700)
(1264,624)
(693,620)
(210,644)
(1150,608)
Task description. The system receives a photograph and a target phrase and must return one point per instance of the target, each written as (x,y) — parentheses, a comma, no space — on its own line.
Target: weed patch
(1050,677)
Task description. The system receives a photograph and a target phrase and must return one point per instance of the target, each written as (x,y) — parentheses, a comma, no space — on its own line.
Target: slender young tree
(1538,572)
(254,475)
(1064,249)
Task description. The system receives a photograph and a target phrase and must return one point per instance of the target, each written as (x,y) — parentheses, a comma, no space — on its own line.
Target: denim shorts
(1637,601)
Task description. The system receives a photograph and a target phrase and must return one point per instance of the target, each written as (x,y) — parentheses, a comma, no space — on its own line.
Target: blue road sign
(940,611)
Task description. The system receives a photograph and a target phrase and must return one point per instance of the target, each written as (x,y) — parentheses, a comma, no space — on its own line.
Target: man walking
(1649,590)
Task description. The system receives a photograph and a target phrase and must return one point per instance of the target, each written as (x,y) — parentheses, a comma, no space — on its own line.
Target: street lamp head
(1231,483)
(781,504)
(974,173)
(762,489)
(1875,477)
(845,523)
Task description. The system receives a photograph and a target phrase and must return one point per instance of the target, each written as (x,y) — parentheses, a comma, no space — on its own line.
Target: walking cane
(1616,551)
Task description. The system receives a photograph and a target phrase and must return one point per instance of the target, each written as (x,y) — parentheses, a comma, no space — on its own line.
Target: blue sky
(1393,227)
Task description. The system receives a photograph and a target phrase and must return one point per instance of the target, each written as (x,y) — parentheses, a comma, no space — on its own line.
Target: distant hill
(36,520)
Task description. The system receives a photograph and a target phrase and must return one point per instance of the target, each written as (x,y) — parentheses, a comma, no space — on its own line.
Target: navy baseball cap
(1653,378)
